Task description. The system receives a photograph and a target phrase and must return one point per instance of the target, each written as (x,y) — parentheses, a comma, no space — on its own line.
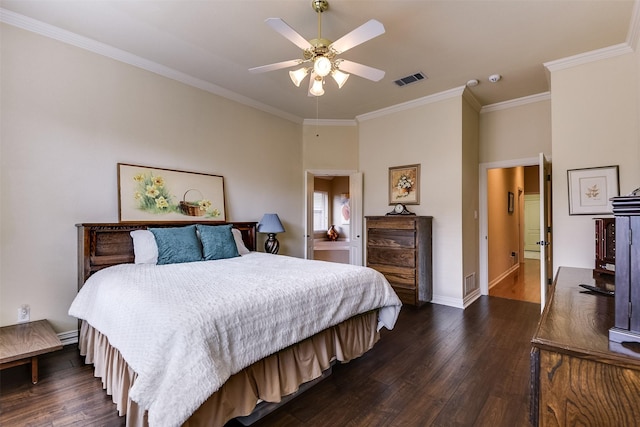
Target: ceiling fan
(320,56)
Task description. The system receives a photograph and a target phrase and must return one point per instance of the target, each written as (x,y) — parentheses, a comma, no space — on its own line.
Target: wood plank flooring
(440,366)
(524,285)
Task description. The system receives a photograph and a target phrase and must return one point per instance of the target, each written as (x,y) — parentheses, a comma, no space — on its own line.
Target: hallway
(522,286)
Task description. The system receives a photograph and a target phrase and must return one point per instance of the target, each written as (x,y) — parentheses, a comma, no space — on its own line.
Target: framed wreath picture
(591,188)
(155,194)
(404,185)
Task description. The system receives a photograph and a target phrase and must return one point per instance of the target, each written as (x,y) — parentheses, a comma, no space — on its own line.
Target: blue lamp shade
(270,224)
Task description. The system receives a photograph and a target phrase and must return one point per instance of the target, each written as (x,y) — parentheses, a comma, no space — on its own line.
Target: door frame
(483,267)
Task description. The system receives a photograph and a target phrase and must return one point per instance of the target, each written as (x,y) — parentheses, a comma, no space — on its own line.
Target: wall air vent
(411,79)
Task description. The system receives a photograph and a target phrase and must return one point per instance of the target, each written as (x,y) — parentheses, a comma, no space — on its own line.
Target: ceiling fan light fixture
(298,75)
(322,66)
(316,88)
(339,77)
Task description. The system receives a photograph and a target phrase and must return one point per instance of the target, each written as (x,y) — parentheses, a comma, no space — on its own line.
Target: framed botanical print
(155,194)
(591,188)
(404,185)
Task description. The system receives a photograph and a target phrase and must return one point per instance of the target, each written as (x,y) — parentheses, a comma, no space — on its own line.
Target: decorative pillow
(217,241)
(237,236)
(177,244)
(145,248)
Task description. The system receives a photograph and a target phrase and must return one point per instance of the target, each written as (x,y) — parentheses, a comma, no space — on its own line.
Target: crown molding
(53,32)
(437,97)
(587,57)
(634,26)
(518,102)
(329,122)
(472,100)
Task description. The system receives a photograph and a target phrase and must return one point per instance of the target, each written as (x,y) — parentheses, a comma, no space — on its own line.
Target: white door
(308,214)
(355,206)
(531,225)
(545,230)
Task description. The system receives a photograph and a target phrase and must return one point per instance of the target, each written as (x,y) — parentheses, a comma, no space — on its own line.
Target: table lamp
(270,224)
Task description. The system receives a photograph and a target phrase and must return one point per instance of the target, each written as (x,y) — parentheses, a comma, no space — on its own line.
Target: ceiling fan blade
(275,66)
(364,32)
(289,33)
(361,70)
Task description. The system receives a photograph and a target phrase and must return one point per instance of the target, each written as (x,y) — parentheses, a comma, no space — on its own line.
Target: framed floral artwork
(155,194)
(404,185)
(591,188)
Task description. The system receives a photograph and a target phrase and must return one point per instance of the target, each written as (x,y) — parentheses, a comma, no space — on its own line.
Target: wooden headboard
(102,245)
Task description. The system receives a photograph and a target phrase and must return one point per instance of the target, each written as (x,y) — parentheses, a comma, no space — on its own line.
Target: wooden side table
(23,343)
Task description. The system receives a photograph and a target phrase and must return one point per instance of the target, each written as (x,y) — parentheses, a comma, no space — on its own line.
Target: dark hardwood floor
(440,366)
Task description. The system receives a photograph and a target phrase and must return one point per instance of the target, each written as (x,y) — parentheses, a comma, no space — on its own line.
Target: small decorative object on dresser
(399,247)
(332,233)
(400,209)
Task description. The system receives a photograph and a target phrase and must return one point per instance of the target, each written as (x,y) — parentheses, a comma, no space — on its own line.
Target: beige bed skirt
(268,380)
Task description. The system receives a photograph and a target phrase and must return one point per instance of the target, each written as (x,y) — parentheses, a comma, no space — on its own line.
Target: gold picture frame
(404,185)
(156,194)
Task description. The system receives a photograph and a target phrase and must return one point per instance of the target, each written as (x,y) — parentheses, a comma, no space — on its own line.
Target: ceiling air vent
(410,79)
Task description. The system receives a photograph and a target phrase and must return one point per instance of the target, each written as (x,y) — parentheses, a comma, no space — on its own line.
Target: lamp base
(271,245)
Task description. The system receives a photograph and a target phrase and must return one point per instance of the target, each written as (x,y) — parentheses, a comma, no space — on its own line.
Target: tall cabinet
(399,246)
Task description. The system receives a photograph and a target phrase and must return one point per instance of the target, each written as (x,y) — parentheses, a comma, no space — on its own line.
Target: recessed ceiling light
(473,83)
(494,78)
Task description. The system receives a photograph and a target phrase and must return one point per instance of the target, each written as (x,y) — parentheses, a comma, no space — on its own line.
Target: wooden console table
(577,376)
(23,343)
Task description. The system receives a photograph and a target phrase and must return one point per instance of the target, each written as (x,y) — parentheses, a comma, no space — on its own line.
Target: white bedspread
(186,328)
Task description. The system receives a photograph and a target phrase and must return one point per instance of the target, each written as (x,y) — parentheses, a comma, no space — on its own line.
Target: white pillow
(145,248)
(237,235)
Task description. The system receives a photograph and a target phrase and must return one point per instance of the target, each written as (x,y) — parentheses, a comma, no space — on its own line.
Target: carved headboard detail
(102,245)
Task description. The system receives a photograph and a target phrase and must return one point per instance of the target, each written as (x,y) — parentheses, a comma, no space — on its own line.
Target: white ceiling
(215,42)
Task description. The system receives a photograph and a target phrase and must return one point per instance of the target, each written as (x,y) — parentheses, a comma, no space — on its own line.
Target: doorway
(509,266)
(513,268)
(334,200)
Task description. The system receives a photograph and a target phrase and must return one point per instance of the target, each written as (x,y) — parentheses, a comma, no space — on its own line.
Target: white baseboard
(501,277)
(448,301)
(70,337)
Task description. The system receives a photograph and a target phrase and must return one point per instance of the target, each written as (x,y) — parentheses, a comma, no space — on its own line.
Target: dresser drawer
(388,256)
(397,276)
(387,238)
(391,222)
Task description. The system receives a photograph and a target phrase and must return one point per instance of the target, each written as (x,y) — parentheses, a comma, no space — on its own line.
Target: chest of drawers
(400,248)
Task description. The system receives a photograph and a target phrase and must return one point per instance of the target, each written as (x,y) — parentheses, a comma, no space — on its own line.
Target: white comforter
(186,328)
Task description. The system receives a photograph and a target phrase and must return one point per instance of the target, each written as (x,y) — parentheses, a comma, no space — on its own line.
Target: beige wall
(69,116)
(431,135)
(595,123)
(520,131)
(330,147)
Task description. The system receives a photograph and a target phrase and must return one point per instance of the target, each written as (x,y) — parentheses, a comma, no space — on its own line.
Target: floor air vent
(410,79)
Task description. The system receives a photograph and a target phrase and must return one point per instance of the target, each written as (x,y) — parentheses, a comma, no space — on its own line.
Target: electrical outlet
(24,313)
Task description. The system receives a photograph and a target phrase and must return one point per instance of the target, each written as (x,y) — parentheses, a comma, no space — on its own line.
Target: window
(320,210)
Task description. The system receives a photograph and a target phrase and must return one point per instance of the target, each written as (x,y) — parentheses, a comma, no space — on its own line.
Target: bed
(198,343)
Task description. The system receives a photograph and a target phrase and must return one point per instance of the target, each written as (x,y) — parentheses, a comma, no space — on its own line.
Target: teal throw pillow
(217,241)
(177,244)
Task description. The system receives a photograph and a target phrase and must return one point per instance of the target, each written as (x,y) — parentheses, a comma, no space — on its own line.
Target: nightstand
(23,343)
